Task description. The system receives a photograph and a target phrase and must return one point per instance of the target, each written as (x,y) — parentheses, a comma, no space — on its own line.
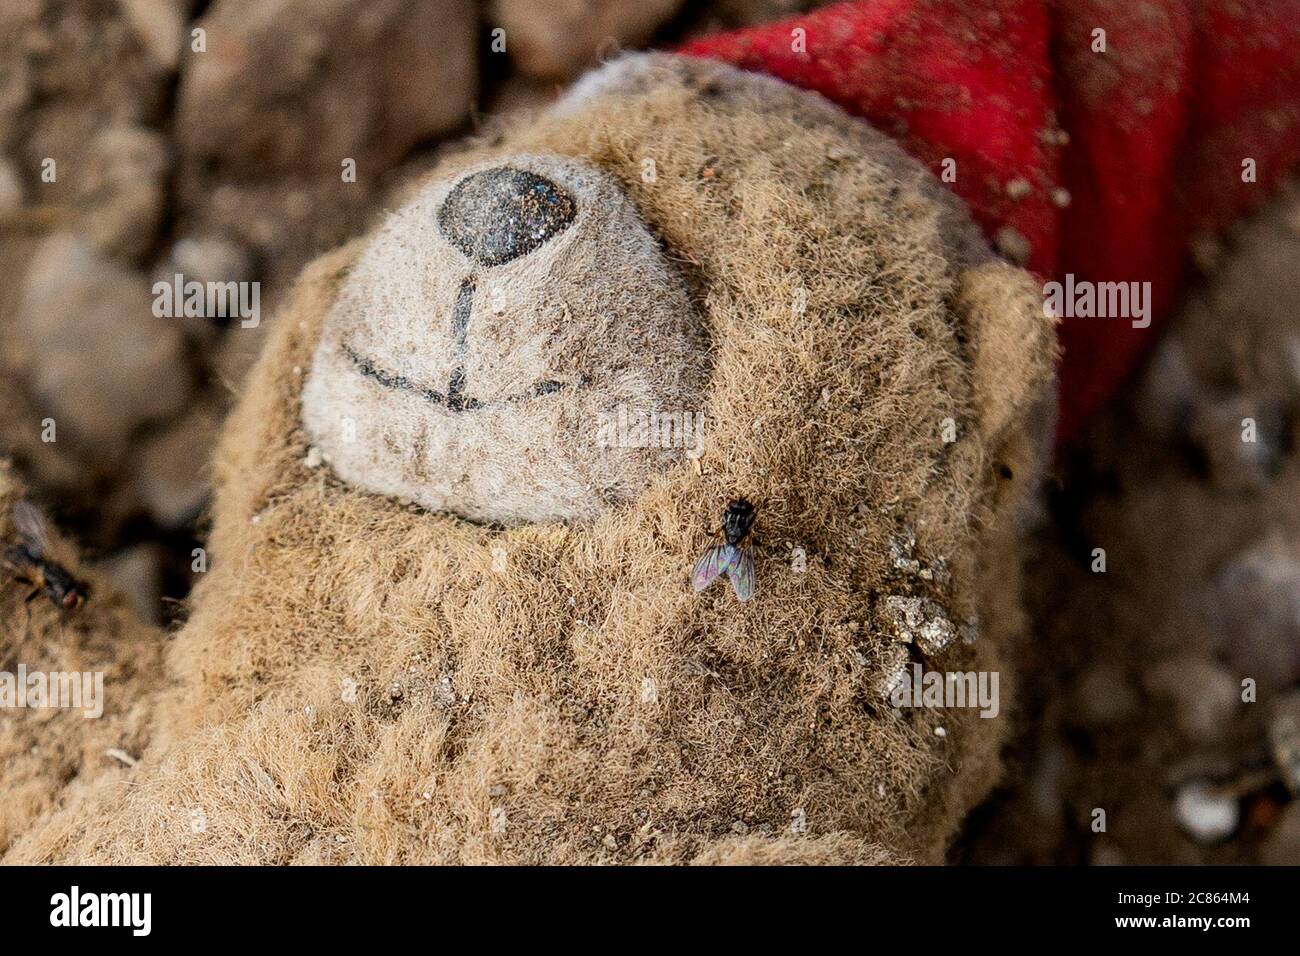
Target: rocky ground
(1165,690)
(144,138)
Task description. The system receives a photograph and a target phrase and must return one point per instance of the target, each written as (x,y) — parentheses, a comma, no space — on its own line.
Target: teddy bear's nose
(500,214)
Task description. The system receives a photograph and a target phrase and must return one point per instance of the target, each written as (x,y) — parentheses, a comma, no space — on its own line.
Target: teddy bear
(448,613)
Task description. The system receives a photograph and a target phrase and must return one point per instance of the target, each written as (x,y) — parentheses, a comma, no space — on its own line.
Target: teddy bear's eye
(500,214)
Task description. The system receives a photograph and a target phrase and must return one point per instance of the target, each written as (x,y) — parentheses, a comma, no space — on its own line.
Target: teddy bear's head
(674,236)
(485,347)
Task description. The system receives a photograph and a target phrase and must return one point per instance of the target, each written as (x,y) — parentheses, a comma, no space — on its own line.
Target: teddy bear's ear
(1011,342)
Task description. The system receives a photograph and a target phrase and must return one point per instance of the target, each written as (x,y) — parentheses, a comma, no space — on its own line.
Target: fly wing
(31,527)
(711,563)
(741,573)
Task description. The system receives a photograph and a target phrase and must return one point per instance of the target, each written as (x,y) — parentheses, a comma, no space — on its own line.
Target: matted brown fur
(362,681)
(51,756)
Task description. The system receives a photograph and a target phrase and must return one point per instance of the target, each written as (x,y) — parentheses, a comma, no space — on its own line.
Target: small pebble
(894,670)
(901,550)
(920,621)
(1206,815)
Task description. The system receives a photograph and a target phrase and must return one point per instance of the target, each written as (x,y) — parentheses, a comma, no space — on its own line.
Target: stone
(1205,696)
(902,551)
(1241,438)
(895,664)
(557,39)
(1206,814)
(160,27)
(172,473)
(211,258)
(919,621)
(306,84)
(1253,603)
(103,363)
(123,192)
(205,258)
(15,71)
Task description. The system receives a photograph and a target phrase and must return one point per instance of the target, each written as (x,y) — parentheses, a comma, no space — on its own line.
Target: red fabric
(1148,137)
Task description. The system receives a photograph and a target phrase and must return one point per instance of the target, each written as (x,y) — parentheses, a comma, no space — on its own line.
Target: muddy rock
(1241,439)
(920,621)
(159,25)
(74,69)
(172,476)
(123,189)
(307,84)
(211,259)
(894,670)
(1254,603)
(1204,813)
(205,258)
(555,39)
(1204,695)
(15,82)
(103,364)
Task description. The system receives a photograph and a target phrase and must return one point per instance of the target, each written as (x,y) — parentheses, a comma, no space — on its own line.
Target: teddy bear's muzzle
(478,353)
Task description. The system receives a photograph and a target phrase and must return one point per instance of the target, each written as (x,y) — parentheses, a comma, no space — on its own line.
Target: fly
(27,561)
(733,556)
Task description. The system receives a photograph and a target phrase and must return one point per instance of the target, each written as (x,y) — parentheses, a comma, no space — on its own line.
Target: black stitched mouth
(454,402)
